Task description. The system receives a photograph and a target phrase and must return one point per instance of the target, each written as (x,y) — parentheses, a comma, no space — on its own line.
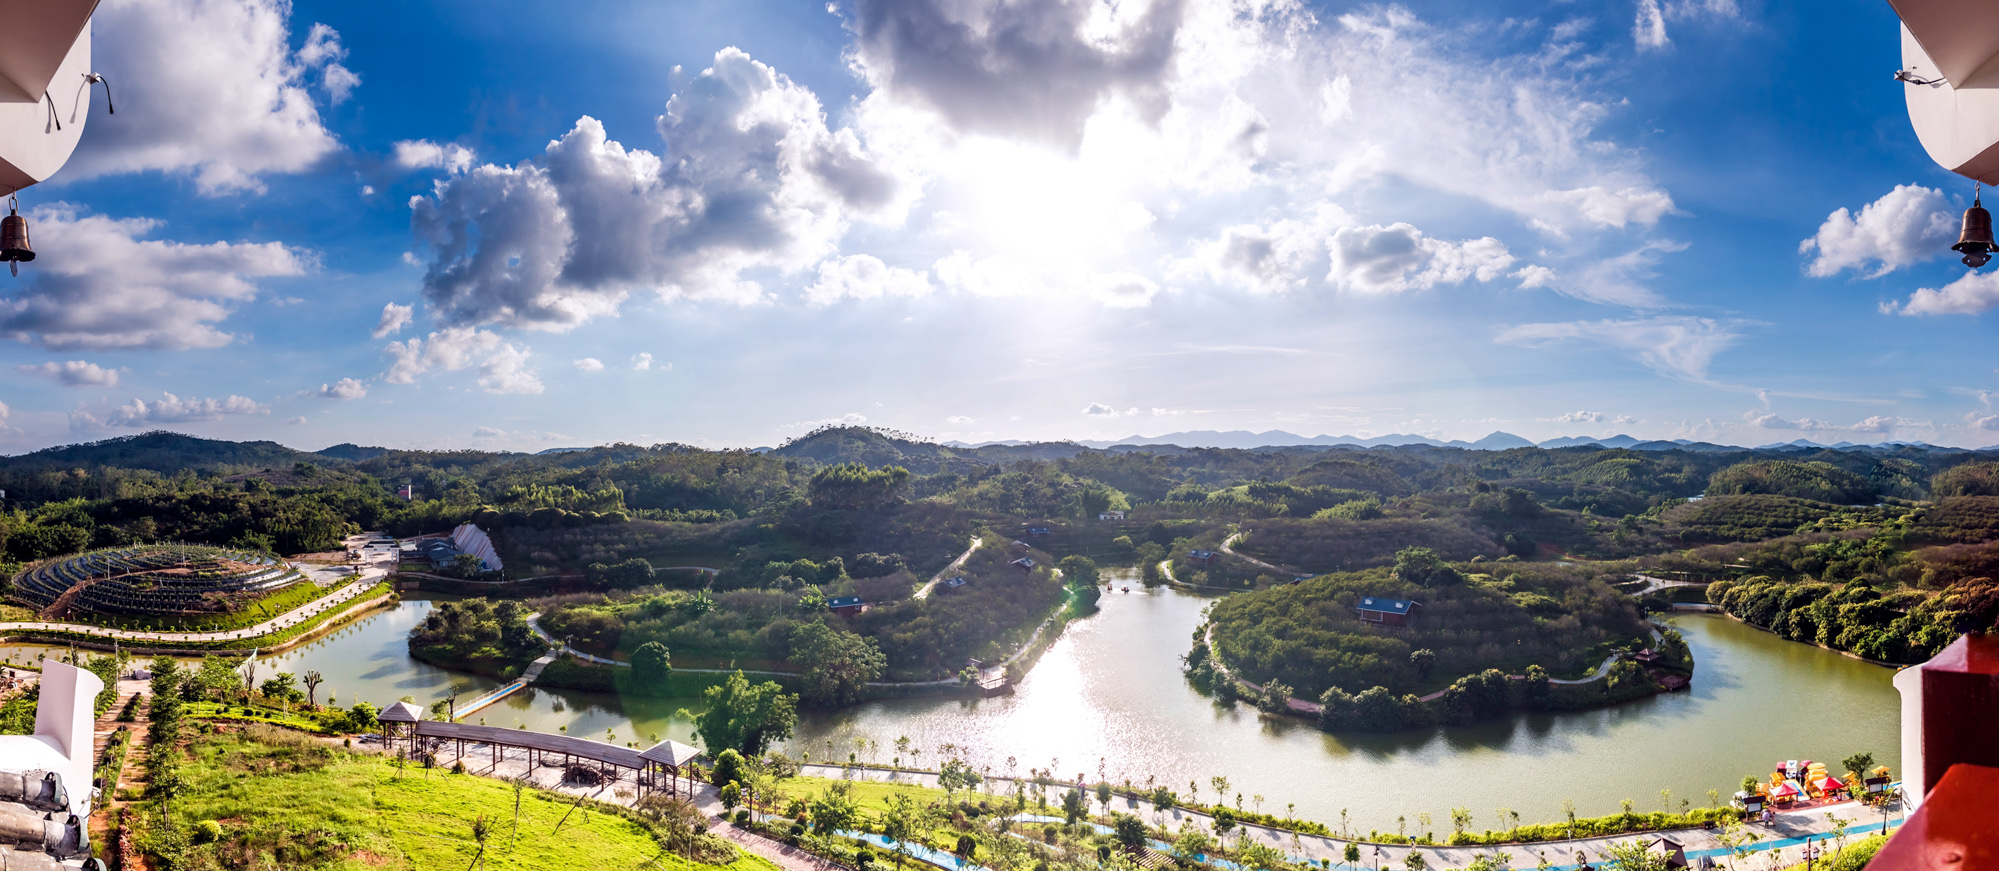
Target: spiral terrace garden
(174,581)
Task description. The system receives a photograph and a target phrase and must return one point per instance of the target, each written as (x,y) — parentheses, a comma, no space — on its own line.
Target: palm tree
(312,681)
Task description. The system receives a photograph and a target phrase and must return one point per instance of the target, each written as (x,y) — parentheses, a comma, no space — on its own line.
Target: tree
(1074,806)
(651,665)
(956,775)
(312,681)
(855,486)
(901,823)
(1130,831)
(1421,566)
(728,768)
(1423,661)
(744,717)
(1859,763)
(1632,856)
(731,795)
(834,809)
(838,664)
(1352,854)
(1104,796)
(1416,862)
(281,687)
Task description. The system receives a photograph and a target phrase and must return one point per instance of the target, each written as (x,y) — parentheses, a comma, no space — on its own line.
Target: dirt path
(103,831)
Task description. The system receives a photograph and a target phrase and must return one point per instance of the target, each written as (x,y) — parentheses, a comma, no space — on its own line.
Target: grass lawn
(305,805)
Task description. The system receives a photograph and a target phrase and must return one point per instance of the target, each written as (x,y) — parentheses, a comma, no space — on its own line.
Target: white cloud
(1988,422)
(98,285)
(753,179)
(425,154)
(1972,294)
(1588,417)
(1398,257)
(169,410)
(1873,425)
(211,88)
(345,388)
(1098,409)
(323,51)
(394,318)
(1674,346)
(958,418)
(1906,226)
(862,276)
(1607,208)
(76,373)
(488,432)
(502,365)
(1649,31)
(642,361)
(294,421)
(590,364)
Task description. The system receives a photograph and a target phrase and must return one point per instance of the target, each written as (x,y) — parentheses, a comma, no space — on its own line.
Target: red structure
(1389,612)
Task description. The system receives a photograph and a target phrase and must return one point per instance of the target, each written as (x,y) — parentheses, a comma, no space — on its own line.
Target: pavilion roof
(671,753)
(401,712)
(583,748)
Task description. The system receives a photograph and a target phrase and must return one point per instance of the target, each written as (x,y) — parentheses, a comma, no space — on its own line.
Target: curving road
(954,566)
(1228,548)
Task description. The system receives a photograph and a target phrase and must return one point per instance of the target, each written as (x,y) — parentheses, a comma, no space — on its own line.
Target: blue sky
(516,225)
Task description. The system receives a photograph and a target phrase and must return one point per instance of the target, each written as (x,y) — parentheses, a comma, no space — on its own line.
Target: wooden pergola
(399,722)
(668,758)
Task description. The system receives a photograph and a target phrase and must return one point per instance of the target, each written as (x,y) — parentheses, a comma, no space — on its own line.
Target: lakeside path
(1778,841)
(369,576)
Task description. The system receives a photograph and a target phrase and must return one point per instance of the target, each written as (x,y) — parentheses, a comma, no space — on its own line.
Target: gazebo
(399,721)
(669,758)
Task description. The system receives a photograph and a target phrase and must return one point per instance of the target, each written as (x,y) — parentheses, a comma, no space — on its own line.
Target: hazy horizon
(724,226)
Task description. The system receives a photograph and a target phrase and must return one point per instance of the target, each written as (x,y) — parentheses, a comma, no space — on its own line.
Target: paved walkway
(1783,837)
(924,593)
(369,577)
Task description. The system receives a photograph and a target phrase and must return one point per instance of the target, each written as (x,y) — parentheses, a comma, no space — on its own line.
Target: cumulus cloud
(641,361)
(1649,31)
(1098,409)
(99,285)
(1875,425)
(394,318)
(502,365)
(1264,259)
(1033,69)
(861,276)
(1398,257)
(1905,226)
(170,409)
(294,421)
(1972,294)
(211,88)
(958,418)
(590,364)
(425,154)
(345,388)
(75,373)
(754,179)
(1679,347)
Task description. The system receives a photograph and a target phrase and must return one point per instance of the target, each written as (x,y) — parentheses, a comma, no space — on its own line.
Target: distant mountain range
(1497,441)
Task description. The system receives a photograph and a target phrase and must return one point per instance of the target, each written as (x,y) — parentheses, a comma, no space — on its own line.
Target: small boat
(1125,590)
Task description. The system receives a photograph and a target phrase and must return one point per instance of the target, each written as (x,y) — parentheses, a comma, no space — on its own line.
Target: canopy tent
(1828,784)
(1785,790)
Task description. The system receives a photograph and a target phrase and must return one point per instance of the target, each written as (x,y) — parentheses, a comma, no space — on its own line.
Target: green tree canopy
(744,717)
(855,486)
(651,664)
(837,663)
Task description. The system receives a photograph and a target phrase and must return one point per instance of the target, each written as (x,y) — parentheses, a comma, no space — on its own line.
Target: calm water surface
(1109,693)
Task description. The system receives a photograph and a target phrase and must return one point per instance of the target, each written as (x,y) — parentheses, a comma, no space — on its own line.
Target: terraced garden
(161,581)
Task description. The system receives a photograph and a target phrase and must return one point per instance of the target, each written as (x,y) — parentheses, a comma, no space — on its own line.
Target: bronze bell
(14,240)
(1976,240)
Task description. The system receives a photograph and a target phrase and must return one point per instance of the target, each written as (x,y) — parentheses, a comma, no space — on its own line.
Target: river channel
(1109,693)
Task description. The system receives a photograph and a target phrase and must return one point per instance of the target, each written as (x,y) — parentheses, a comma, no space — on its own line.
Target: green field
(293,801)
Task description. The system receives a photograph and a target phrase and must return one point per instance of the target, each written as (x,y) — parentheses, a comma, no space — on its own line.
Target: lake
(1109,696)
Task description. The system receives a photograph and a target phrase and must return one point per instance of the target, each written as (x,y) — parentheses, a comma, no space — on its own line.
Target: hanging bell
(1975,243)
(14,247)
